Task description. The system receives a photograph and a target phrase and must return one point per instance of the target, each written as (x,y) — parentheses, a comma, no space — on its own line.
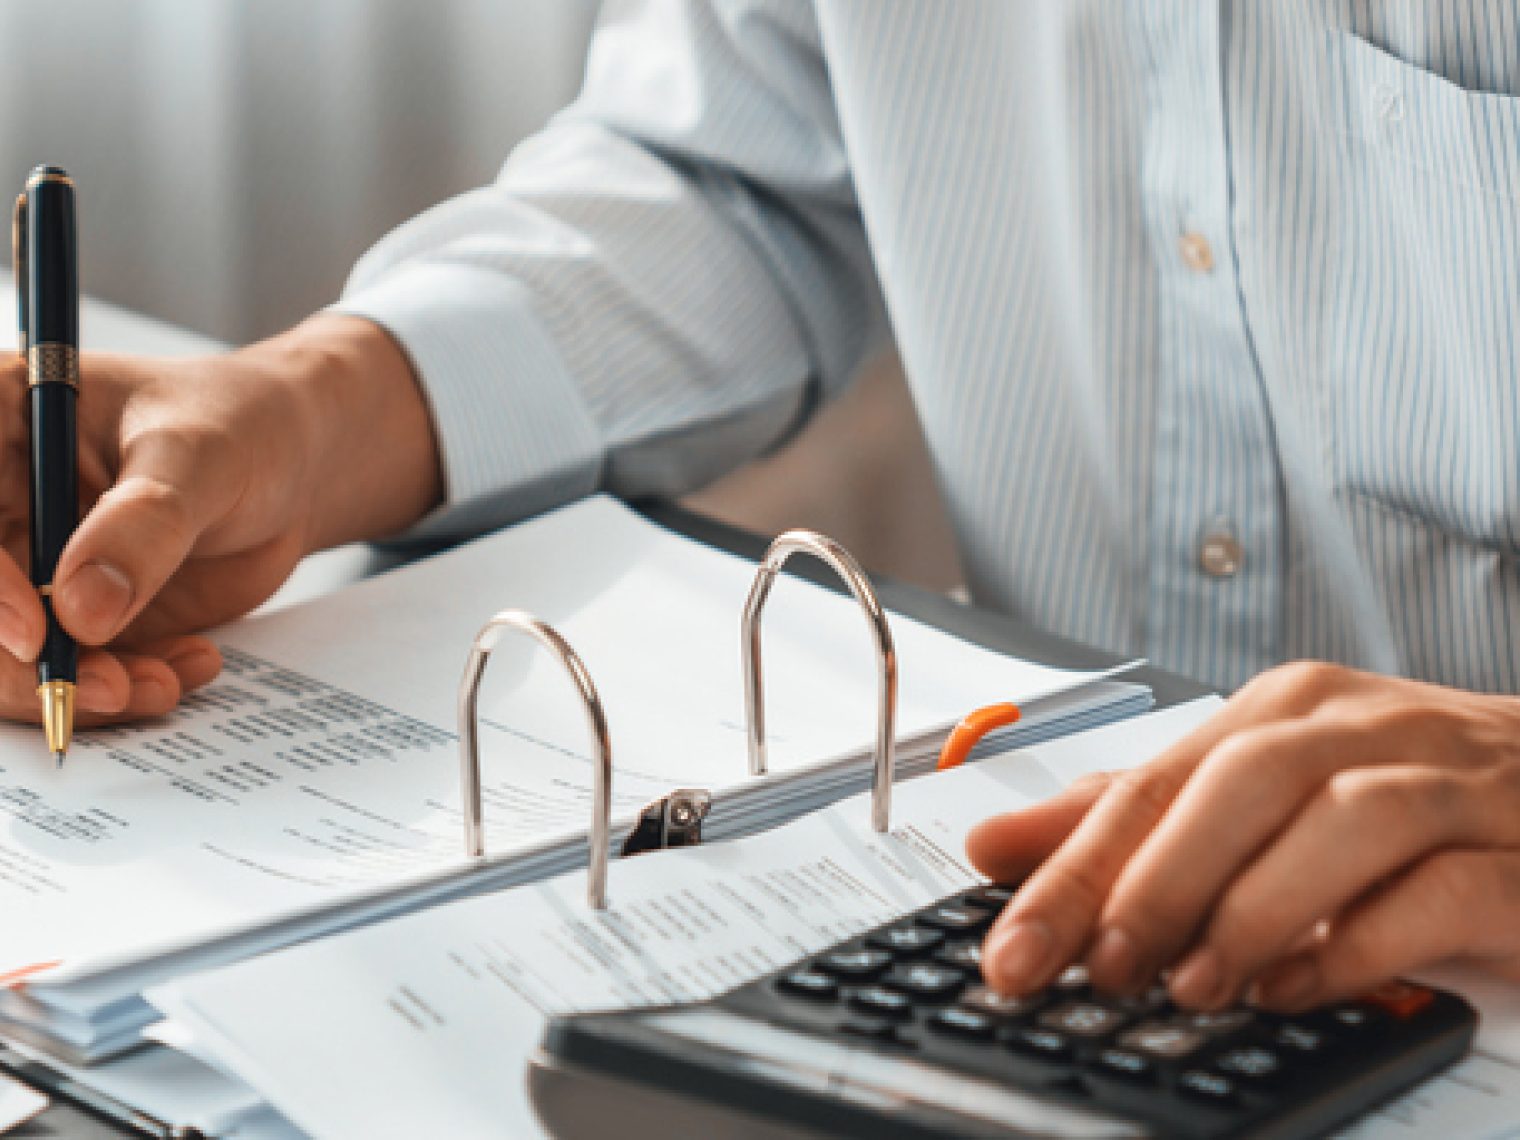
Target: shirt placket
(1215,522)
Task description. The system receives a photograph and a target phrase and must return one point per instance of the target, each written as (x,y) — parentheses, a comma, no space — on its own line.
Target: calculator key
(1074,979)
(1249,1062)
(1127,1064)
(1219,1023)
(906,939)
(809,984)
(1351,1019)
(882,1002)
(993,897)
(1166,1040)
(1046,1044)
(963,955)
(963,1022)
(1302,1039)
(986,1000)
(956,918)
(854,964)
(927,981)
(1401,999)
(1212,1088)
(1083,1019)
(1154,1000)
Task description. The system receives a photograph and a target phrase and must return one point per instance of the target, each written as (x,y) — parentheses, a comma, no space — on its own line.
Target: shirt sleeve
(657,287)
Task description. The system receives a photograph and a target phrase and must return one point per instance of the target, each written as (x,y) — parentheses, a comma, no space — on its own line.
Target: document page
(324,764)
(422,1026)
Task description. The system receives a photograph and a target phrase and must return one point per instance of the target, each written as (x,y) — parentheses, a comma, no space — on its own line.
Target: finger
(22,622)
(1363,827)
(1456,903)
(103,687)
(1051,920)
(137,535)
(1242,795)
(195,660)
(1007,847)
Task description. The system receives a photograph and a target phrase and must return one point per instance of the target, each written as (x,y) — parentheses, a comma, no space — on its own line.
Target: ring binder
(600,835)
(838,559)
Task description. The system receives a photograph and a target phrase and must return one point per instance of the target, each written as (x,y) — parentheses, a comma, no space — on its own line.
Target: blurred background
(235,157)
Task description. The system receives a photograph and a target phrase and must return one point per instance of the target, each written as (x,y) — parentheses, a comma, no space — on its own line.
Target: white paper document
(323,766)
(423,1025)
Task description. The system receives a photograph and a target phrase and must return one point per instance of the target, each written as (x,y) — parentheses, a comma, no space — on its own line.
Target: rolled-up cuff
(514,433)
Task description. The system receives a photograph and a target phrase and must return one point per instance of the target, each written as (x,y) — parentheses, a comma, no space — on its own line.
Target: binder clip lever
(671,821)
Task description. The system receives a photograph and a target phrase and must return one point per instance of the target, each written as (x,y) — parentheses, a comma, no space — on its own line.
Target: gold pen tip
(57,699)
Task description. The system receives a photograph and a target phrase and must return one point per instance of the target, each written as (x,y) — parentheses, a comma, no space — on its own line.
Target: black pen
(47,286)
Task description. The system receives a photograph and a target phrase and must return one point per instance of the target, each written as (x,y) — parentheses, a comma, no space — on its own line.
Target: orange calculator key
(1402,999)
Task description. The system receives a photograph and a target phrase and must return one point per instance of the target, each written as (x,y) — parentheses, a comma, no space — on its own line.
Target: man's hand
(1327,830)
(203,482)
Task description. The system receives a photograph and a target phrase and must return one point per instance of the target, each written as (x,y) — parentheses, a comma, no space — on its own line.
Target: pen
(48,289)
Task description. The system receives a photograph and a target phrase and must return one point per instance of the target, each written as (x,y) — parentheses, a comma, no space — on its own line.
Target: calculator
(892,1034)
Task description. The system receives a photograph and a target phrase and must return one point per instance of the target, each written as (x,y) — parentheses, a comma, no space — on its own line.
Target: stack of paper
(315,786)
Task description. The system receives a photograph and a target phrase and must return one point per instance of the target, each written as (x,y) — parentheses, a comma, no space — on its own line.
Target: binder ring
(842,563)
(596,720)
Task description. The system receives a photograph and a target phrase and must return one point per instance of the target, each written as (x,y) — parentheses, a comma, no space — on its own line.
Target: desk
(109,328)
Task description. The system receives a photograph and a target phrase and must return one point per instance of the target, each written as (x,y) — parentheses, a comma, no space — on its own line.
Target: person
(1208,313)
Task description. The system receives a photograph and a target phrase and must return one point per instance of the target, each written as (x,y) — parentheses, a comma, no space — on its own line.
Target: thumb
(1006,848)
(131,542)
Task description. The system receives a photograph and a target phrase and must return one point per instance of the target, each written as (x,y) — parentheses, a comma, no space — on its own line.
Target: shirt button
(1220,556)
(1196,252)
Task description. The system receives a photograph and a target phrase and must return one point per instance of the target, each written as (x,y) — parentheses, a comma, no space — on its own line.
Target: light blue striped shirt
(1208,308)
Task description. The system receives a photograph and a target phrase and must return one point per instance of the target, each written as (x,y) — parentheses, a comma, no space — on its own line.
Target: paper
(423,1025)
(324,764)
(18,1103)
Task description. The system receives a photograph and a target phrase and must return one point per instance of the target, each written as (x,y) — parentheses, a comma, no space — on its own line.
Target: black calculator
(892,1034)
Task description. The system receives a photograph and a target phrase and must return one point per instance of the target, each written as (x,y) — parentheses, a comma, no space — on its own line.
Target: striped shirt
(1208,309)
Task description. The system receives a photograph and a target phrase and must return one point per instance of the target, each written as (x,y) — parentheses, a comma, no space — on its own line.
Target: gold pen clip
(18,261)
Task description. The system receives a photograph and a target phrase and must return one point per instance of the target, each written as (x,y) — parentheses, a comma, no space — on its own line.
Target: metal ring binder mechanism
(596,719)
(842,563)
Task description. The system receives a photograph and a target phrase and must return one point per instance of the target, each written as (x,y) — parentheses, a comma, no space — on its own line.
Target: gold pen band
(52,364)
(40,176)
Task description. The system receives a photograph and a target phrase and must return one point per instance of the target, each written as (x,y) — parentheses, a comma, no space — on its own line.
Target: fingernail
(1114,963)
(1198,980)
(1290,988)
(94,692)
(13,634)
(97,596)
(1018,956)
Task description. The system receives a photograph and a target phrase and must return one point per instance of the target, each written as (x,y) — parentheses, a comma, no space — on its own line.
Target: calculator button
(1154,1001)
(1212,1088)
(993,897)
(986,1000)
(1302,1039)
(809,984)
(882,1002)
(1402,999)
(1046,1044)
(927,981)
(956,918)
(1127,1064)
(854,964)
(1083,1019)
(963,1022)
(1220,1022)
(1074,979)
(1351,1019)
(1249,1062)
(1164,1039)
(905,939)
(963,955)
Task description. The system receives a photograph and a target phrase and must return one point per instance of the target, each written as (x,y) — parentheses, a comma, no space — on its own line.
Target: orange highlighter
(968,734)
